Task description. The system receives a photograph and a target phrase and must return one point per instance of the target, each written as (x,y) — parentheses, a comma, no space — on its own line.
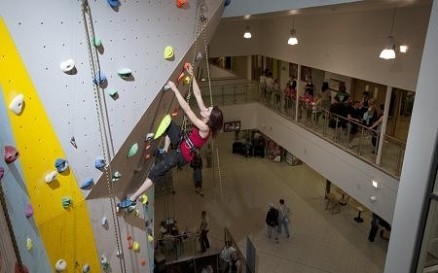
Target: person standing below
(269,87)
(283,218)
(235,263)
(225,257)
(262,86)
(203,230)
(272,221)
(196,164)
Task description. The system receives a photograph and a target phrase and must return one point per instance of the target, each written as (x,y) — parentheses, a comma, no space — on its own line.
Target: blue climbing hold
(61,165)
(87,183)
(99,163)
(227,2)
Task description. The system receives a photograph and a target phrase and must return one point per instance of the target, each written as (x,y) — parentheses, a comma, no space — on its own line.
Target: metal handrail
(393,148)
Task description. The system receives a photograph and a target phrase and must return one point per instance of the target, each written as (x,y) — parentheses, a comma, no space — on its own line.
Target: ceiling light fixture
(247,34)
(389,51)
(293,36)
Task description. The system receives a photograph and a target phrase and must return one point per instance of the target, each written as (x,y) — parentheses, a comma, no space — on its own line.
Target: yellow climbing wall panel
(66,233)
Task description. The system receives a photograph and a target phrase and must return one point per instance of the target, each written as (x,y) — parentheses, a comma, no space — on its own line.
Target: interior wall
(327,159)
(133,35)
(347,44)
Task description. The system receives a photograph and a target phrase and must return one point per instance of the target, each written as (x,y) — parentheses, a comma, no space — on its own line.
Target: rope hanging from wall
(104,130)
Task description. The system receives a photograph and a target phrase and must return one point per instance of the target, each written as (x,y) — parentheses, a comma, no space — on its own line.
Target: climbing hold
(133,150)
(180,76)
(162,127)
(125,73)
(29,243)
(104,221)
(50,177)
(187,80)
(199,56)
(86,268)
(147,156)
(187,66)
(61,265)
(23,269)
(144,199)
(116,176)
(166,87)
(66,202)
(67,65)
(175,112)
(135,246)
(227,2)
(181,3)
(99,78)
(119,253)
(97,42)
(99,163)
(87,183)
(17,104)
(10,154)
(129,237)
(104,262)
(61,165)
(149,136)
(168,53)
(113,3)
(28,210)
(2,172)
(73,142)
(143,262)
(113,93)
(150,238)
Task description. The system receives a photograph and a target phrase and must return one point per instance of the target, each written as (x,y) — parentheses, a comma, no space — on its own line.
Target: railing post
(383,126)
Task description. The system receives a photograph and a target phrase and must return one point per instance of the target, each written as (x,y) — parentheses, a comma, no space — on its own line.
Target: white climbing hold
(67,65)
(50,177)
(17,104)
(86,268)
(61,265)
(104,221)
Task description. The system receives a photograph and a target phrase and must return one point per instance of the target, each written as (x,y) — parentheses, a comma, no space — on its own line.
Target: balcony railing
(334,128)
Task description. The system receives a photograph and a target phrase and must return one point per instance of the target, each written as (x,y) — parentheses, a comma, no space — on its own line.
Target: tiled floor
(320,241)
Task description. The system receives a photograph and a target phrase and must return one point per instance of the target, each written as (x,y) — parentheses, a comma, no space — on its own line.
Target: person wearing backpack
(272,221)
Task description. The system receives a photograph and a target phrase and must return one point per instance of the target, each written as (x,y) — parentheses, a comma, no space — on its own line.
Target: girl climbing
(209,123)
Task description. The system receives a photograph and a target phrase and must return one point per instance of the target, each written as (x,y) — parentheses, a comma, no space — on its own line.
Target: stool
(358,219)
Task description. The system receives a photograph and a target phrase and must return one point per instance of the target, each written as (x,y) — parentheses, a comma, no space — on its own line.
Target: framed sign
(335,84)
(231,126)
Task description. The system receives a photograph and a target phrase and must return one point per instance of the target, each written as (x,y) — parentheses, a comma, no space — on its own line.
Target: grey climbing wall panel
(133,36)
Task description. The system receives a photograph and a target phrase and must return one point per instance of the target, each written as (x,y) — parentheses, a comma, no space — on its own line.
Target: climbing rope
(104,132)
(11,230)
(214,143)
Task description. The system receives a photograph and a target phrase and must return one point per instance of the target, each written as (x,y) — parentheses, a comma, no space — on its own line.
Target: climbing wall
(63,116)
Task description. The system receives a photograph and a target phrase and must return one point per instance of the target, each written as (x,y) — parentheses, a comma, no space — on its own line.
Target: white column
(413,187)
(383,126)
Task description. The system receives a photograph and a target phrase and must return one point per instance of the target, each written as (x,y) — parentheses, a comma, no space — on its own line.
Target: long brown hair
(216,121)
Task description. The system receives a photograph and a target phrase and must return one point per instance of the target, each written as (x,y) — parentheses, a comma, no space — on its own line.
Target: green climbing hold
(97,42)
(165,122)
(133,150)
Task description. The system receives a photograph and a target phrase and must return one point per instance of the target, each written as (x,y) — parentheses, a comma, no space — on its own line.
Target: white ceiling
(347,7)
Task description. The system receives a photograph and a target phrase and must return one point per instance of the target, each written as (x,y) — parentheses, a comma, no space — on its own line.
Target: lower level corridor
(320,242)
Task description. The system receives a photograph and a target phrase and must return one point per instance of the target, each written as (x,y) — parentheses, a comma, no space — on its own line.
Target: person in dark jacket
(272,221)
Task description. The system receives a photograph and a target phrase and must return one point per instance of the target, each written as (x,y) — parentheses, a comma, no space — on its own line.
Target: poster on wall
(306,73)
(231,126)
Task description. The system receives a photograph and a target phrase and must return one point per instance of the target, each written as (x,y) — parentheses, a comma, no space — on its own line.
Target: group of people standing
(278,219)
